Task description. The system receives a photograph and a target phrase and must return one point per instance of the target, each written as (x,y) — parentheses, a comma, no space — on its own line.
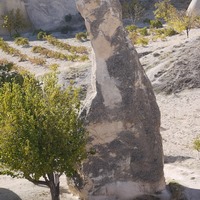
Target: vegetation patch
(72,49)
(57,55)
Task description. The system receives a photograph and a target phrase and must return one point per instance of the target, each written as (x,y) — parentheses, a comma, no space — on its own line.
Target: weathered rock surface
(43,14)
(194,8)
(122,113)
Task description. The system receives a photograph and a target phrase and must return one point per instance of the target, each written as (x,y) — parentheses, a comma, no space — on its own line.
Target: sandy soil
(180,113)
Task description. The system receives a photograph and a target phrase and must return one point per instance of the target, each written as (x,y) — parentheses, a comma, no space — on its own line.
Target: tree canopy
(40,132)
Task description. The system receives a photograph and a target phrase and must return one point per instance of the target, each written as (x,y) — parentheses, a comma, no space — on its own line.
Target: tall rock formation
(122,114)
(194,8)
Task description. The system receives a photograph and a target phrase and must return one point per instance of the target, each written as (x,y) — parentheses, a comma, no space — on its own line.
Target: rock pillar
(194,8)
(122,113)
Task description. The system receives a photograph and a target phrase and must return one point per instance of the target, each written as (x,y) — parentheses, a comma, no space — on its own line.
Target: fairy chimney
(123,118)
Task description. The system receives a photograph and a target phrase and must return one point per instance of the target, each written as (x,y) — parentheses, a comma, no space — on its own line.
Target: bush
(41,35)
(196,144)
(7,74)
(143,31)
(142,41)
(42,135)
(169,32)
(82,36)
(131,28)
(155,24)
(22,41)
(132,9)
(14,21)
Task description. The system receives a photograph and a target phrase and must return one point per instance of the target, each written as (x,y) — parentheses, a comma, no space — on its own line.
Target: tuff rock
(123,118)
(44,14)
(194,8)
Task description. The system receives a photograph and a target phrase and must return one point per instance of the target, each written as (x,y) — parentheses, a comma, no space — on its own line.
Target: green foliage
(169,32)
(142,41)
(131,28)
(40,132)
(164,10)
(4,46)
(178,20)
(138,39)
(41,35)
(37,61)
(82,36)
(14,21)
(196,144)
(132,9)
(155,23)
(143,31)
(162,33)
(63,45)
(7,74)
(22,41)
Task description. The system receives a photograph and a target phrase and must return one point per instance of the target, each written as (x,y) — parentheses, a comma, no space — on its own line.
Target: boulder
(122,116)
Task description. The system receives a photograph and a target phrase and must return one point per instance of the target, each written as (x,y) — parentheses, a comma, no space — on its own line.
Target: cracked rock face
(123,118)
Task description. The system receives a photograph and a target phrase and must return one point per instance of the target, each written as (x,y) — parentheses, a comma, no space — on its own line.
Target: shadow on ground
(180,192)
(6,194)
(173,159)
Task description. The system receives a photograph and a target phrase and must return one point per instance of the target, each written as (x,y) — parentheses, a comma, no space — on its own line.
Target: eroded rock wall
(43,14)
(123,118)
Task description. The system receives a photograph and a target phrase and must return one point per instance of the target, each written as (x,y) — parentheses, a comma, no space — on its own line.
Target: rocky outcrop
(44,14)
(123,118)
(194,8)
(50,14)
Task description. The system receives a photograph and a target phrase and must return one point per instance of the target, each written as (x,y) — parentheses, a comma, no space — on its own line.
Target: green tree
(14,20)
(41,136)
(132,9)
(178,20)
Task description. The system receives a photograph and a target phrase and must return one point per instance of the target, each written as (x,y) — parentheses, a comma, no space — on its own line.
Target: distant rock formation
(123,118)
(194,8)
(43,14)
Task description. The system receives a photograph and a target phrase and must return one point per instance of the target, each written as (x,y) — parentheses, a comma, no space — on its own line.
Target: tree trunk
(54,186)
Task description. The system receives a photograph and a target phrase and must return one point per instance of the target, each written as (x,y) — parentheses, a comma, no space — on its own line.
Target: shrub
(164,10)
(142,41)
(155,23)
(14,21)
(37,61)
(196,144)
(131,28)
(42,136)
(146,21)
(22,41)
(41,35)
(169,32)
(82,36)
(63,45)
(7,74)
(132,9)
(143,31)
